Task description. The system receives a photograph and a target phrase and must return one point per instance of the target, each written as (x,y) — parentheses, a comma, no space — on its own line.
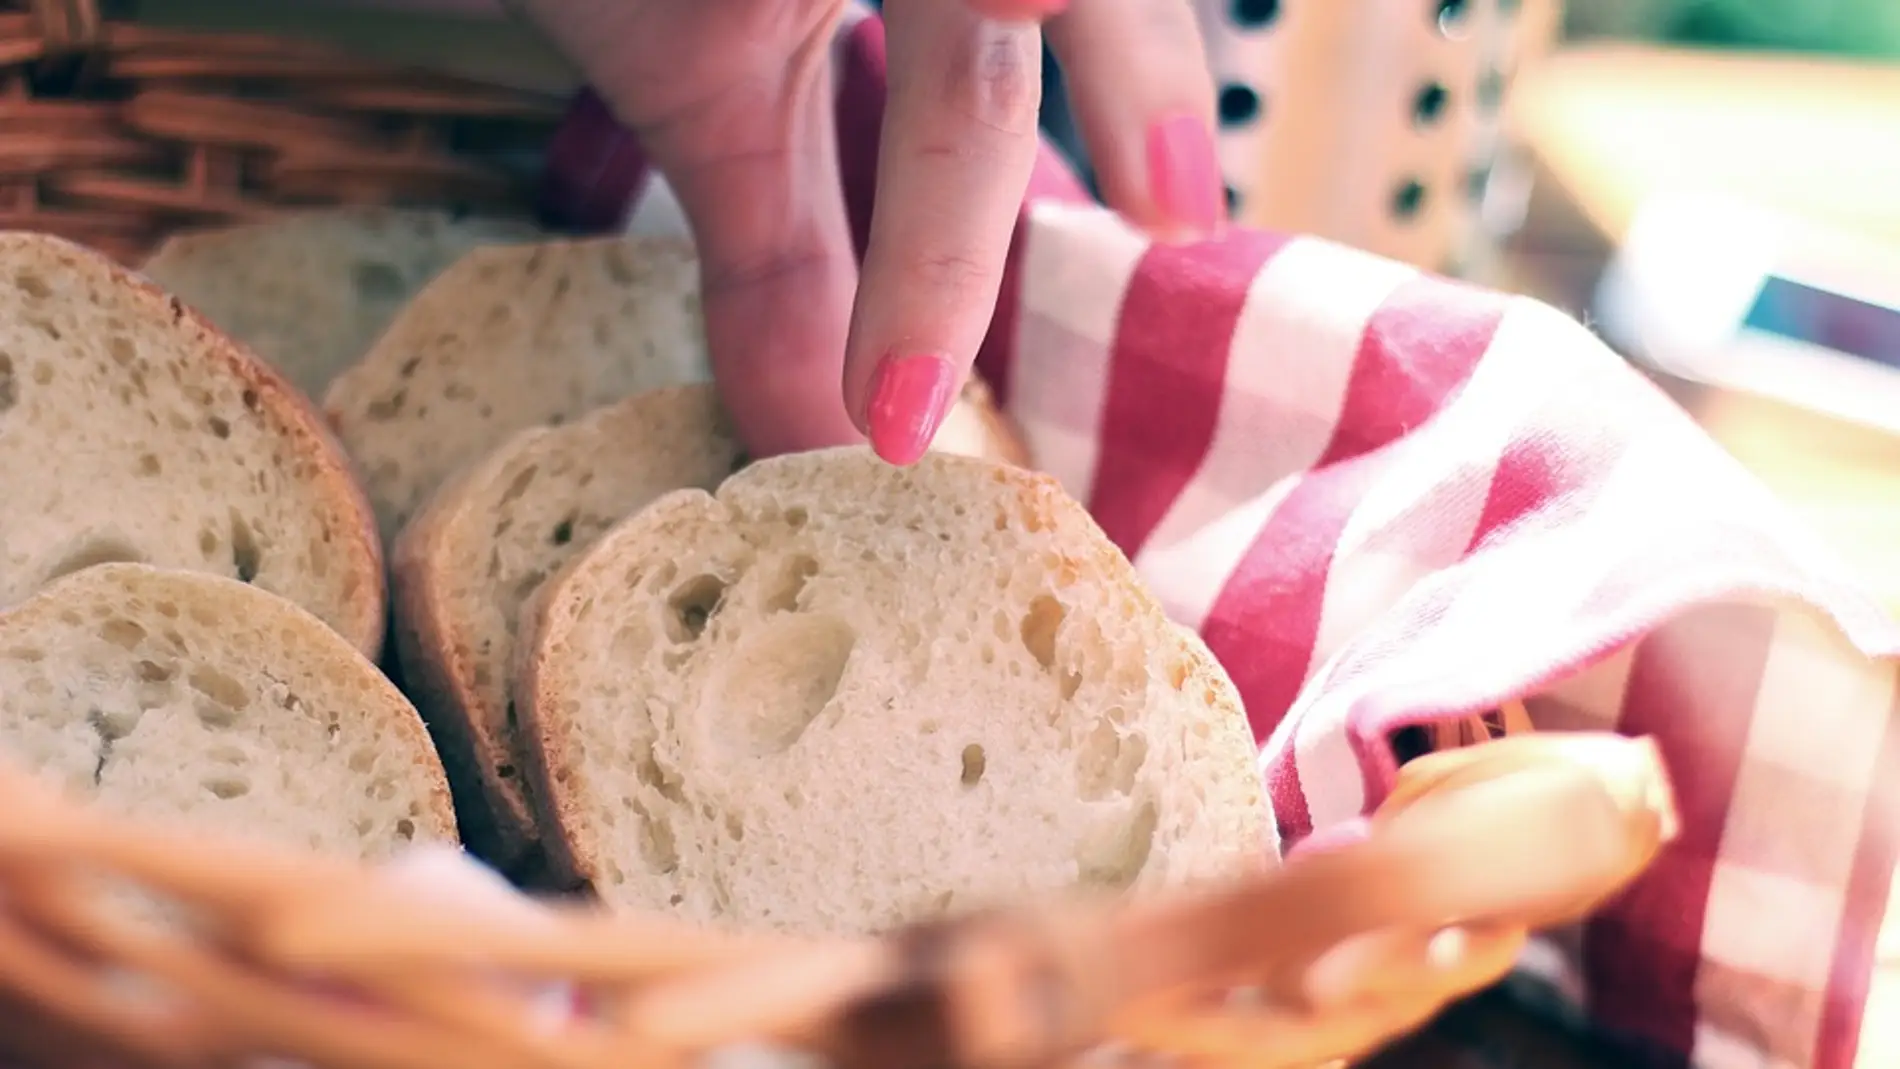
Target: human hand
(733,99)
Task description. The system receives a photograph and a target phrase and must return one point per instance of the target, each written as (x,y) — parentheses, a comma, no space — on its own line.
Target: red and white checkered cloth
(1387,499)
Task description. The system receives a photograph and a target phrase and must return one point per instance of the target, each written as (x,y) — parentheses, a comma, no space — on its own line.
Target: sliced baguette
(508,338)
(462,568)
(176,695)
(840,696)
(311,292)
(132,430)
(466,563)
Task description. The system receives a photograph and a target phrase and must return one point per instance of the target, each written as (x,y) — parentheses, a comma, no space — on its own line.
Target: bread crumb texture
(508,338)
(130,430)
(840,696)
(488,539)
(172,696)
(311,291)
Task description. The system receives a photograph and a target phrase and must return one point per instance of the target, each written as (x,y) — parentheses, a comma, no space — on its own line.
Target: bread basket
(148,946)
(115,134)
(271,954)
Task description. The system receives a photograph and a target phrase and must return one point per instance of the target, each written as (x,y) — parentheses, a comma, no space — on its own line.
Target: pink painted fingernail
(910,396)
(1183,175)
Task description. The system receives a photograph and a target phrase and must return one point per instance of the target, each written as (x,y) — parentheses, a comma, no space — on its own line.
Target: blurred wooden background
(1609,126)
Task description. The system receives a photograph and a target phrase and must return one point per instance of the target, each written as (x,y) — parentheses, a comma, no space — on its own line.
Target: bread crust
(1003,440)
(550,764)
(499,822)
(358,548)
(111,581)
(239,260)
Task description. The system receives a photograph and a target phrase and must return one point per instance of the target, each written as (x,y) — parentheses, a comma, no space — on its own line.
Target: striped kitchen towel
(1388,499)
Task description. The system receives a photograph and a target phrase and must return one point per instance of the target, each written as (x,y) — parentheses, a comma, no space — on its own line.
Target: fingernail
(1183,176)
(1446,949)
(910,396)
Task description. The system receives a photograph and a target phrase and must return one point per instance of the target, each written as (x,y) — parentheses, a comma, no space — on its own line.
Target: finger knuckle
(993,77)
(753,271)
(1170,27)
(954,274)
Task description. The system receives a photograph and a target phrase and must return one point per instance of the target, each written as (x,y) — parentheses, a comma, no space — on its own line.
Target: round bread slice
(838,696)
(508,338)
(463,567)
(176,695)
(132,430)
(310,292)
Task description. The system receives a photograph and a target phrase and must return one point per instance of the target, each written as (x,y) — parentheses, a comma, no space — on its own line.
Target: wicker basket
(115,134)
(270,954)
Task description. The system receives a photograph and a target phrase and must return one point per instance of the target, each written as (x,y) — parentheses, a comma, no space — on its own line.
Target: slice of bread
(132,430)
(463,567)
(840,696)
(176,695)
(512,337)
(311,292)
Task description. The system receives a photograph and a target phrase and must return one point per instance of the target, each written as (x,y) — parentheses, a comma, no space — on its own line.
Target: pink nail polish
(910,396)
(1183,175)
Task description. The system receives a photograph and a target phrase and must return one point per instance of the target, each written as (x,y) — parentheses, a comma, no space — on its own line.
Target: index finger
(959,144)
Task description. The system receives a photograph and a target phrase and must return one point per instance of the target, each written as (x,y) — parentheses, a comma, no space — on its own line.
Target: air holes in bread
(692,605)
(785,595)
(563,532)
(228,787)
(1114,857)
(377,281)
(1039,628)
(974,762)
(246,557)
(779,680)
(659,777)
(95,551)
(1108,762)
(222,690)
(9,390)
(659,848)
(122,633)
(108,732)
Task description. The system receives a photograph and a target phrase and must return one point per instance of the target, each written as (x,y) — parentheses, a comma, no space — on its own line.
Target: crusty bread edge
(435,671)
(299,418)
(1005,438)
(545,747)
(441,802)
